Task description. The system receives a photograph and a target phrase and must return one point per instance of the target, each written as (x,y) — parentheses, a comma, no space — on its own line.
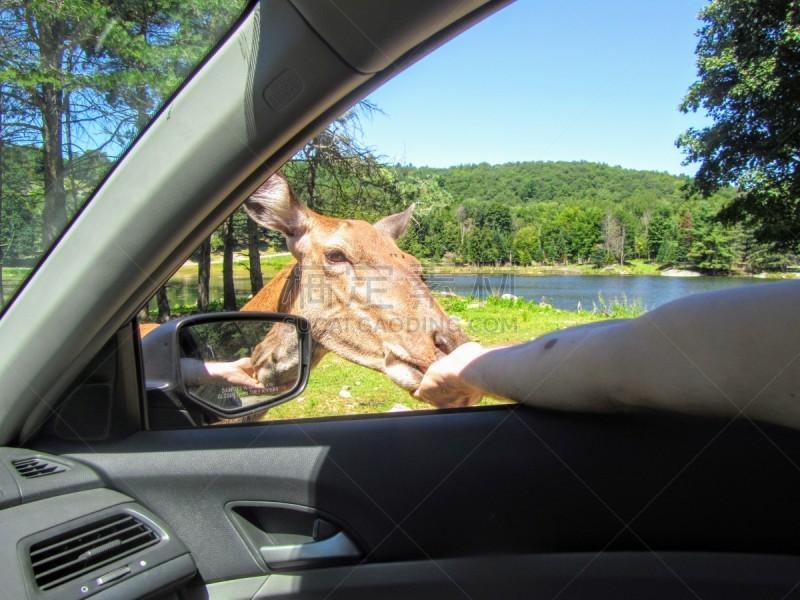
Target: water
(566,291)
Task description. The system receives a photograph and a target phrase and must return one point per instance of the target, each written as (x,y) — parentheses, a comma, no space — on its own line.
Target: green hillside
(572,213)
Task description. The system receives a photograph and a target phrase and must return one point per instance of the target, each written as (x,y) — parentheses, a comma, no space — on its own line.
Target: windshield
(79,80)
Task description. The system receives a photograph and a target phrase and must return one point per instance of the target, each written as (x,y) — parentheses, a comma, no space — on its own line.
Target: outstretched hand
(444,384)
(238,372)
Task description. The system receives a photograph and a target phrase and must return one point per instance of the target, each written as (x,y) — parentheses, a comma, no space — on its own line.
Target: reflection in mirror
(232,364)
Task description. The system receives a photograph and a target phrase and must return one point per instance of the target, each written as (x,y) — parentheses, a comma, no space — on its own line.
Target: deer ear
(275,206)
(395,225)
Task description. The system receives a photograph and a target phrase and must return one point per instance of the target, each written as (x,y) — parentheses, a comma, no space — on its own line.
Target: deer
(364,298)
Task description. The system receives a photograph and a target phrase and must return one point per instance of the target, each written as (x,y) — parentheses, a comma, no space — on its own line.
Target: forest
(560,213)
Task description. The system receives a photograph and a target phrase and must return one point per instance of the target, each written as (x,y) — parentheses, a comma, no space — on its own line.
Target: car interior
(487,502)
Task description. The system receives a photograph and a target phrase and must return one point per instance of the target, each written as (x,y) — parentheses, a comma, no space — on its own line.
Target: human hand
(444,384)
(238,372)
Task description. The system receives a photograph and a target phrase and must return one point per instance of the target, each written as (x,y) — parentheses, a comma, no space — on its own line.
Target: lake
(561,291)
(567,291)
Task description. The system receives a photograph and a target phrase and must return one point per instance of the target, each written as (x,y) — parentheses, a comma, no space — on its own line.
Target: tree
(752,256)
(711,249)
(643,247)
(582,230)
(2,171)
(228,289)
(614,236)
(162,301)
(497,217)
(526,247)
(748,60)
(254,256)
(158,42)
(336,174)
(203,275)
(662,235)
(685,236)
(463,221)
(39,41)
(80,78)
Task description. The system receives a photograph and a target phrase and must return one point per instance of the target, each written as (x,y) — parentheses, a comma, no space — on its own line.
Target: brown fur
(273,297)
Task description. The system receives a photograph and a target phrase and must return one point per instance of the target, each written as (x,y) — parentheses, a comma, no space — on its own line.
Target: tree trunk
(203,275)
(228,290)
(311,184)
(69,170)
(50,103)
(163,305)
(2,248)
(54,215)
(256,277)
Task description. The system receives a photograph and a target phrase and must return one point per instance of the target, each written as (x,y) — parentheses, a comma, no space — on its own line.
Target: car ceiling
(276,80)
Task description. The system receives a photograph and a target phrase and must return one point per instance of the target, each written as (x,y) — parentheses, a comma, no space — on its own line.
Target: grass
(631,267)
(618,309)
(370,392)
(641,267)
(270,265)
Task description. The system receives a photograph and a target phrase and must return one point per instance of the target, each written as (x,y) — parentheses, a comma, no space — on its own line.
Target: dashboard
(64,535)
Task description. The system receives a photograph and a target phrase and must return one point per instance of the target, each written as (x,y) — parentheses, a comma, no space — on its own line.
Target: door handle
(337,547)
(291,536)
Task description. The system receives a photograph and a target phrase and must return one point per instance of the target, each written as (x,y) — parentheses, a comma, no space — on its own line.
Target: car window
(514,235)
(78,82)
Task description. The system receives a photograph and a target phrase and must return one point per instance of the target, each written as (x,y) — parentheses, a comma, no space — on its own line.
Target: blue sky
(549,80)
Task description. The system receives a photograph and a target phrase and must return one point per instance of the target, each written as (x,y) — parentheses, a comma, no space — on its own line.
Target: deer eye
(335,256)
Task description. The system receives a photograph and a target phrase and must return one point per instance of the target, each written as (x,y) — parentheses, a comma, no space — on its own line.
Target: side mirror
(206,364)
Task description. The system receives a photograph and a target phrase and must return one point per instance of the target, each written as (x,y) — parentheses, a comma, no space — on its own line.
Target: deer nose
(447,341)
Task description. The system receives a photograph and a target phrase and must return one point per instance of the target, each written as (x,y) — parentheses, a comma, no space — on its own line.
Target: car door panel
(619,575)
(441,485)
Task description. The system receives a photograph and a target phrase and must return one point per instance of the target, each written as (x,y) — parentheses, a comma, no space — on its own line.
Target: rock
(345,394)
(476,305)
(509,297)
(679,273)
(399,408)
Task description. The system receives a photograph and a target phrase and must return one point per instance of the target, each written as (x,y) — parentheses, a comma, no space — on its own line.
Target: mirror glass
(238,364)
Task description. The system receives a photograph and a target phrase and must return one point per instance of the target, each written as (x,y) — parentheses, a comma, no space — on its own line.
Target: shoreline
(584,271)
(273,262)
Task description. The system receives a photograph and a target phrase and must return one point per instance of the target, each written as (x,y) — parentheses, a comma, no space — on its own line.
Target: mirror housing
(181,360)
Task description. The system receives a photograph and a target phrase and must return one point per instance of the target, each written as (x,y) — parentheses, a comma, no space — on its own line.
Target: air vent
(68,556)
(36,467)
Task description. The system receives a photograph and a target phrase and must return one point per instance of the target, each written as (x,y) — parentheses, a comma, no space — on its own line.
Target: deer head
(364,297)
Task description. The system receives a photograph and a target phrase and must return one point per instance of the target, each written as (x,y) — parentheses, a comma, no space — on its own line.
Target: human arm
(719,353)
(238,372)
